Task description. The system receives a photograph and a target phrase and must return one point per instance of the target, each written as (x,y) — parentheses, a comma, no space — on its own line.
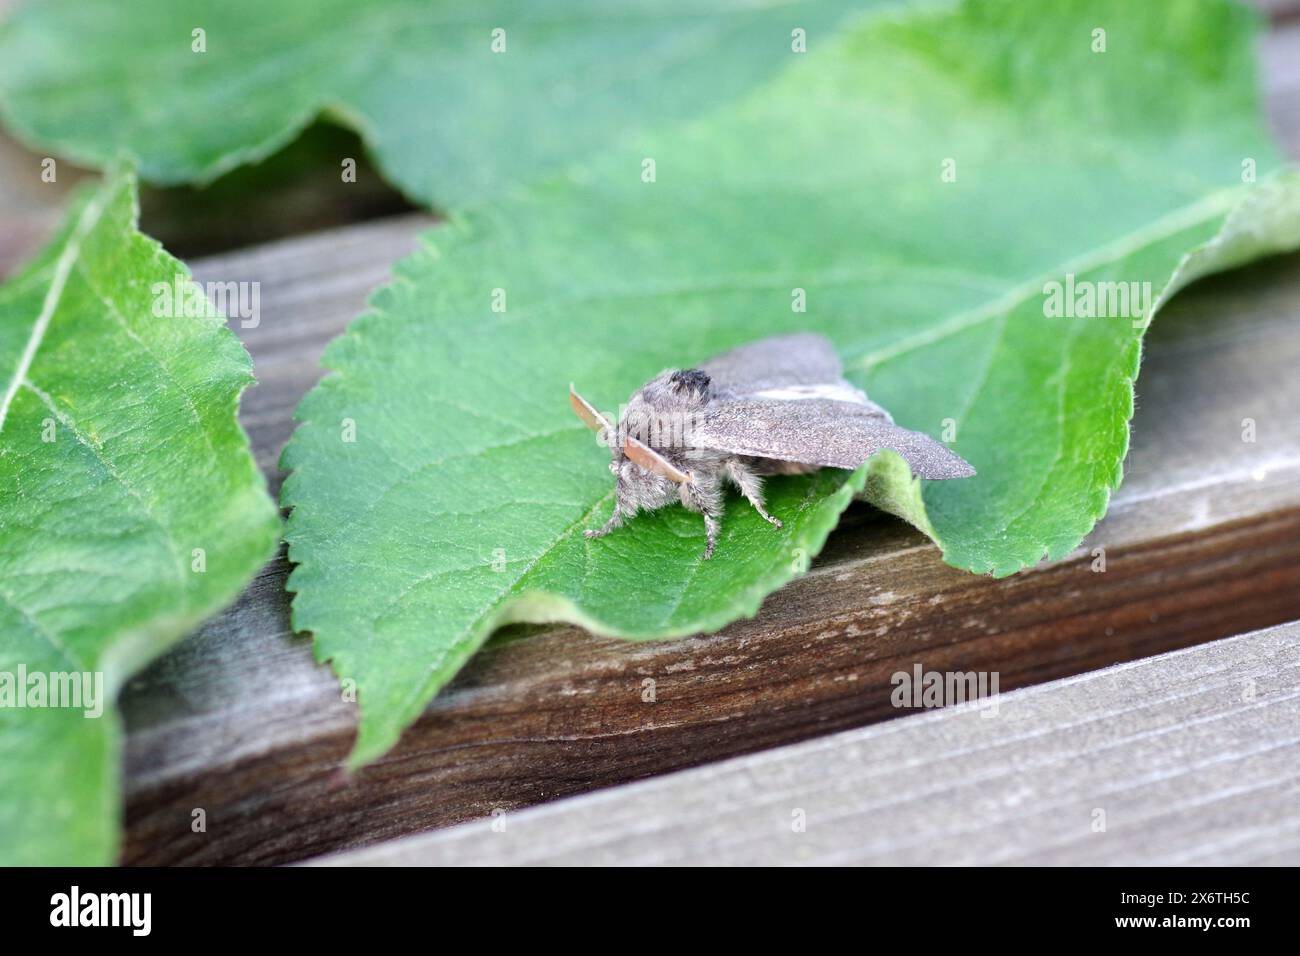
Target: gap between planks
(1186,758)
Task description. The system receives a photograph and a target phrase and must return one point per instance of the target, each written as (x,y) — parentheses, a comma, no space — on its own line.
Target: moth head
(627,448)
(674,390)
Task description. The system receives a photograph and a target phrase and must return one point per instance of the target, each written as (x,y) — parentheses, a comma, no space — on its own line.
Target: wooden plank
(1203,541)
(1279,53)
(1191,757)
(297,190)
(30,208)
(1278,10)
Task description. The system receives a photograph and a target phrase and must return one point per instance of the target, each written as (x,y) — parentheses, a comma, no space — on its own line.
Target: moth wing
(801,358)
(821,432)
(802,366)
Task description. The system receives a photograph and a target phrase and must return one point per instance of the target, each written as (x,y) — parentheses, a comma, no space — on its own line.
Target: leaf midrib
(1184,217)
(67,261)
(480,623)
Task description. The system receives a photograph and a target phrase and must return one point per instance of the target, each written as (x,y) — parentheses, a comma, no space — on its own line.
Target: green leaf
(458,505)
(450,115)
(130,509)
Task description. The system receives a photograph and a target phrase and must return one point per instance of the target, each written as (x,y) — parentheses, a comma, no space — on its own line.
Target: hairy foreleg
(615,521)
(751,486)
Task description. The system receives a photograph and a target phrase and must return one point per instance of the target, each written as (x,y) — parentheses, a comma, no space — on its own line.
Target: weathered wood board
(1192,757)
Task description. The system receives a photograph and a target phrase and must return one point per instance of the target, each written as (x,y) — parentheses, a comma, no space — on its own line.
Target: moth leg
(712,526)
(705,495)
(615,521)
(751,486)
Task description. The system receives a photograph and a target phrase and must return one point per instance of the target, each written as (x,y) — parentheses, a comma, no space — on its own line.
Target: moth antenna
(637,451)
(649,459)
(587,411)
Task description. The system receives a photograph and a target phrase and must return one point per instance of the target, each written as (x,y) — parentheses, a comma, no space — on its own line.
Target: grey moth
(778,406)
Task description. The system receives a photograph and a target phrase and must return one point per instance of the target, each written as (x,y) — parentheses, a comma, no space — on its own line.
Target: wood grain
(1191,757)
(1202,542)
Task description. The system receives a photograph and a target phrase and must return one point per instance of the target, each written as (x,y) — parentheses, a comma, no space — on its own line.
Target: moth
(778,406)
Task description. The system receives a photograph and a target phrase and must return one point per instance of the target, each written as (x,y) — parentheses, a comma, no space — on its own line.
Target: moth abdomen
(767,467)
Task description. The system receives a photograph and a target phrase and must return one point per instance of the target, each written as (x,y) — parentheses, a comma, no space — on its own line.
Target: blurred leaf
(454,110)
(130,509)
(922,180)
